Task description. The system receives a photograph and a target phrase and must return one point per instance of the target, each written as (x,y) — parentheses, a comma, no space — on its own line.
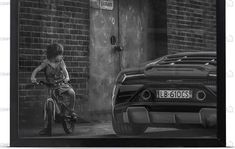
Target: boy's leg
(45,130)
(71,94)
(70,99)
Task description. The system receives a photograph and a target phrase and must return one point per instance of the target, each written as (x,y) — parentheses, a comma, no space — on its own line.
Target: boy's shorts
(60,91)
(62,87)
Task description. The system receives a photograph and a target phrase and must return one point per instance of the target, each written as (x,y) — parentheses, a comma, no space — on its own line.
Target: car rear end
(177,90)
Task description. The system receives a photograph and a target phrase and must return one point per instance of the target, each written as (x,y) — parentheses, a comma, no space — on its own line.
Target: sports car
(172,91)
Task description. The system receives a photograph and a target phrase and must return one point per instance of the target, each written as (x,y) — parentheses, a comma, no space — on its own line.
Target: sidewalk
(105,130)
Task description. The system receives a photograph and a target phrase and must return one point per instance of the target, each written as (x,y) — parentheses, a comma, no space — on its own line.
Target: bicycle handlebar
(49,84)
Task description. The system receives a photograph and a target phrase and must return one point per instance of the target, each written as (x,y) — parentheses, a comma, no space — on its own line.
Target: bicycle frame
(56,109)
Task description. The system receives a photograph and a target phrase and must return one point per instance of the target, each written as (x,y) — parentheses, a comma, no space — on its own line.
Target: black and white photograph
(120,69)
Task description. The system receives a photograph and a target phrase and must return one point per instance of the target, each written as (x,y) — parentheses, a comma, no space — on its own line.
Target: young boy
(55,70)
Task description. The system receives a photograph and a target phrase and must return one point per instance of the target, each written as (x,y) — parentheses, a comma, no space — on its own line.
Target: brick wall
(41,23)
(191,25)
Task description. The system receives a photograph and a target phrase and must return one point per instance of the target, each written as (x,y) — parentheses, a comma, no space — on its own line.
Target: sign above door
(106,4)
(102,4)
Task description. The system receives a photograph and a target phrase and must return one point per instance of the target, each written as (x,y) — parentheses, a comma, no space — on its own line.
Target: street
(104,130)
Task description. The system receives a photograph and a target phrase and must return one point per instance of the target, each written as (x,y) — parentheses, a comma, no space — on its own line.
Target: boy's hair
(54,50)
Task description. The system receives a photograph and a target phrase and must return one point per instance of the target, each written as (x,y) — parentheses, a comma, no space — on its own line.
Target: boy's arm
(63,66)
(36,70)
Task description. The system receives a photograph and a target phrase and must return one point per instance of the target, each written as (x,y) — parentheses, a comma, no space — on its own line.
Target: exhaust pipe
(200,95)
(146,95)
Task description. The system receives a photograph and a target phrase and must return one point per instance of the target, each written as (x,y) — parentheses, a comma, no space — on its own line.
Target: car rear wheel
(127,129)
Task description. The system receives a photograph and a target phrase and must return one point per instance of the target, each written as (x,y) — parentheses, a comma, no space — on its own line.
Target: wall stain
(132,22)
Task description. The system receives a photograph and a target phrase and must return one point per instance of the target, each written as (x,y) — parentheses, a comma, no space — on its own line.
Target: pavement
(105,130)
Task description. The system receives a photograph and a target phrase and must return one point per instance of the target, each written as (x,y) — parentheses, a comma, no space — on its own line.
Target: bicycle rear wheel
(50,109)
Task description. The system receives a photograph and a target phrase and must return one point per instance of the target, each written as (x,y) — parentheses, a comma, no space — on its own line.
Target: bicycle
(56,111)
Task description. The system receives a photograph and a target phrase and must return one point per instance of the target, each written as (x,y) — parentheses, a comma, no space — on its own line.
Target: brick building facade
(191,26)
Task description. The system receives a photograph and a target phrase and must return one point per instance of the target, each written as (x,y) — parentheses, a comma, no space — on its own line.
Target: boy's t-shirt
(53,73)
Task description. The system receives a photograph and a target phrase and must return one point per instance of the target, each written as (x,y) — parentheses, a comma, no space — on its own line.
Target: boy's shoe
(45,132)
(74,116)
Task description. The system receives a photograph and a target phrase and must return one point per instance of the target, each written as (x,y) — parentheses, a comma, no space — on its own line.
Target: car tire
(126,128)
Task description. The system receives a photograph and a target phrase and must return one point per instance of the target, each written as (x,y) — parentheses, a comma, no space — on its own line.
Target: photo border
(15,141)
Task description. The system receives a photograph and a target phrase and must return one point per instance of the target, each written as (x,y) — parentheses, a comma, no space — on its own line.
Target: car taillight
(212,74)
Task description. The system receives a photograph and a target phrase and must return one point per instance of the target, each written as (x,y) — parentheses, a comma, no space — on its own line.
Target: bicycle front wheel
(68,125)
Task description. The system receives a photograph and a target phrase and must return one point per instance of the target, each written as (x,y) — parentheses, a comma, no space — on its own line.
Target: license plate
(180,94)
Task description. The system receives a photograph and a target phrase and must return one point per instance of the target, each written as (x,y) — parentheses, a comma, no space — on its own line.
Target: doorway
(140,29)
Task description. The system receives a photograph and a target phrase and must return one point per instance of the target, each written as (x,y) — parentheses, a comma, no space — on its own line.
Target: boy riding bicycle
(55,71)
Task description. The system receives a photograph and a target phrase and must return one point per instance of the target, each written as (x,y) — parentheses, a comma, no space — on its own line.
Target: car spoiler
(177,71)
